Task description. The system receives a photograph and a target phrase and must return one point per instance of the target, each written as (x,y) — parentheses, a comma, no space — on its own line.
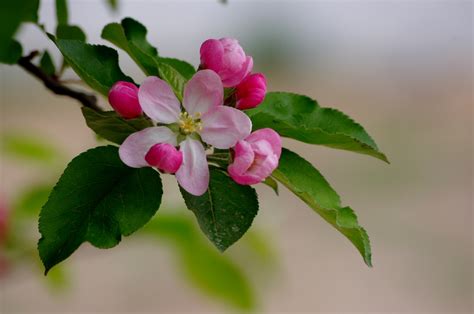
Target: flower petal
(203,92)
(193,175)
(212,52)
(239,76)
(133,150)
(158,100)
(268,135)
(223,127)
(243,158)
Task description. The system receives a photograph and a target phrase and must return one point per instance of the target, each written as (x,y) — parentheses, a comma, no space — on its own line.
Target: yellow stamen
(189,124)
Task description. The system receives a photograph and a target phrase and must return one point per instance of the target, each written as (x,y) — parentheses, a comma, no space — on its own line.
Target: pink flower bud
(164,157)
(123,97)
(227,58)
(251,91)
(255,157)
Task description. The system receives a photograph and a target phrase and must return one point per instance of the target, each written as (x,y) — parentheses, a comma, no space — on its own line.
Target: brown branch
(51,83)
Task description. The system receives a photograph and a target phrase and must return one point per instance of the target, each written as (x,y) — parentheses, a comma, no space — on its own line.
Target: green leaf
(11,52)
(111,127)
(301,118)
(173,78)
(96,65)
(12,14)
(115,34)
(226,211)
(28,147)
(214,274)
(71,32)
(30,201)
(270,182)
(62,14)
(46,64)
(113,4)
(182,67)
(130,36)
(97,199)
(300,177)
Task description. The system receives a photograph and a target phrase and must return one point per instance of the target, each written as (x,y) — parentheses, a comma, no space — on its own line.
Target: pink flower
(204,119)
(227,58)
(255,157)
(251,91)
(164,157)
(123,97)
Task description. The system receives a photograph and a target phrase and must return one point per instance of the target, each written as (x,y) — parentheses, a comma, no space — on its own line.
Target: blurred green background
(403,69)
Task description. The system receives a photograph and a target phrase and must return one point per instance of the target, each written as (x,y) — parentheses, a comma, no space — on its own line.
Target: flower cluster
(187,133)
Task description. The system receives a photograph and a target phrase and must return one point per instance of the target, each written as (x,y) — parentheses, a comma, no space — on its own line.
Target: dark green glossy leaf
(214,274)
(305,181)
(301,118)
(62,14)
(182,67)
(97,199)
(12,14)
(173,78)
(226,211)
(96,65)
(130,36)
(10,52)
(111,127)
(71,32)
(46,64)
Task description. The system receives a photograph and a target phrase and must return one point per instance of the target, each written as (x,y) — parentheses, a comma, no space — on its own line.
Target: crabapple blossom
(203,122)
(123,97)
(227,58)
(255,157)
(251,91)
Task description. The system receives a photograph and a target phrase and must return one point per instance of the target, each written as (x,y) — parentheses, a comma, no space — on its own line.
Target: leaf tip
(384,158)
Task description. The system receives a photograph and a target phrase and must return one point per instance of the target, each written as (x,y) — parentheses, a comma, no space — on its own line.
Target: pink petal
(203,92)
(243,158)
(193,175)
(268,135)
(123,97)
(236,78)
(223,127)
(135,147)
(165,157)
(212,52)
(158,100)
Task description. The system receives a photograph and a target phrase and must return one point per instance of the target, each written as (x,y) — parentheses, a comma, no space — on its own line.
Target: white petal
(193,175)
(203,92)
(223,127)
(158,100)
(133,150)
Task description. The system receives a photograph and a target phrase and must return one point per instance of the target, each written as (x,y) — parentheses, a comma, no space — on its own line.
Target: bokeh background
(403,69)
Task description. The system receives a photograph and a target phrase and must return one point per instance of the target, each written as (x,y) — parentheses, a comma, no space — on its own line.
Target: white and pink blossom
(202,122)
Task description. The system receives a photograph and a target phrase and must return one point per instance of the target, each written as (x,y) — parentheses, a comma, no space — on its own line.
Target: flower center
(189,124)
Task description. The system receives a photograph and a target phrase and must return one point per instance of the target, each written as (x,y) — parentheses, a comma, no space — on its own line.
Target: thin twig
(54,85)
